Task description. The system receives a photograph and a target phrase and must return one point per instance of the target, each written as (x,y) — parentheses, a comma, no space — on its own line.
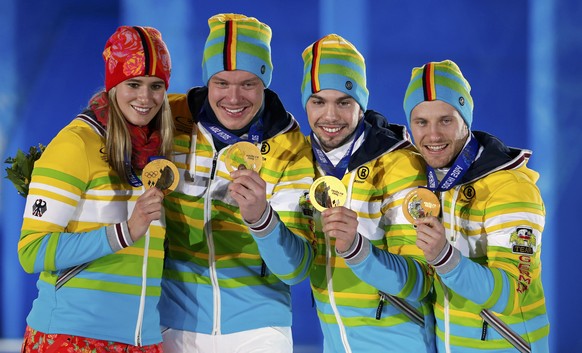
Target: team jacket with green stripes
(489,289)
(94,281)
(376,296)
(215,280)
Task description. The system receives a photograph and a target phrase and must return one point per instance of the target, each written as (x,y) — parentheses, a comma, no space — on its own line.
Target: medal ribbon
(340,169)
(255,134)
(130,174)
(457,170)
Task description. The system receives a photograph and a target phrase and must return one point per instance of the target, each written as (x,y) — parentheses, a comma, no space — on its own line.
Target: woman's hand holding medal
(148,208)
(160,177)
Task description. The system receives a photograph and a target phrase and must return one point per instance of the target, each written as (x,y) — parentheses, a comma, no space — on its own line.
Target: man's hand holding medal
(422,207)
(328,196)
(248,189)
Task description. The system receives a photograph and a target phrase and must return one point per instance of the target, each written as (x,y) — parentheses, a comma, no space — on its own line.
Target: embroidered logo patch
(363,172)
(523,241)
(265,148)
(39,208)
(469,192)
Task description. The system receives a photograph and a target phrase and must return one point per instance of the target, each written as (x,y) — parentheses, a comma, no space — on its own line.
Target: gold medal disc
(326,192)
(162,174)
(419,203)
(243,155)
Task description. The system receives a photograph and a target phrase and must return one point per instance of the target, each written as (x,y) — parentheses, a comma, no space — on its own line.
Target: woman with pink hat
(91,229)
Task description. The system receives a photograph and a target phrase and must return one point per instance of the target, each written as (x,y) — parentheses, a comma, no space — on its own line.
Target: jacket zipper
(214,161)
(69,273)
(411,312)
(211,251)
(504,330)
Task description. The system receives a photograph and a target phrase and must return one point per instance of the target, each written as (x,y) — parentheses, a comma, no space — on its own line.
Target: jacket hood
(380,137)
(495,156)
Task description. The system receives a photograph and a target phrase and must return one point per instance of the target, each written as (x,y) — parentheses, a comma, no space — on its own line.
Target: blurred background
(522,59)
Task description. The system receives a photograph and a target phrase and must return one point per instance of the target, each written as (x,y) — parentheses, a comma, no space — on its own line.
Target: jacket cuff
(357,251)
(266,224)
(447,260)
(118,236)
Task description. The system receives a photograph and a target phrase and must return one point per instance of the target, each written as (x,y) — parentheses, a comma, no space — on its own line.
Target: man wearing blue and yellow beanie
(486,245)
(368,280)
(217,293)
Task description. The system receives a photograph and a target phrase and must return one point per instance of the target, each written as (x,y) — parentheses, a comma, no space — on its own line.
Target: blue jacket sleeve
(394,274)
(286,254)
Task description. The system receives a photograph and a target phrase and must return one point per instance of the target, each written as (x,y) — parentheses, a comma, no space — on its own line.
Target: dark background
(522,59)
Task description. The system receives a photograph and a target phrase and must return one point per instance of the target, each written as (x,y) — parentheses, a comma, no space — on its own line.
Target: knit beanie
(439,81)
(135,51)
(237,42)
(334,63)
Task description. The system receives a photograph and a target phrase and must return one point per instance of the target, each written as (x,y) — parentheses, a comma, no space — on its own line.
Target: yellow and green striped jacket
(215,280)
(74,234)
(489,291)
(354,315)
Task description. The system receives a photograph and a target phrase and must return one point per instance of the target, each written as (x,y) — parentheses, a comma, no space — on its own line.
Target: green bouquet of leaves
(20,170)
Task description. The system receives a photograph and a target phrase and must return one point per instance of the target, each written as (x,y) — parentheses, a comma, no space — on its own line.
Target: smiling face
(140,98)
(235,97)
(439,132)
(333,117)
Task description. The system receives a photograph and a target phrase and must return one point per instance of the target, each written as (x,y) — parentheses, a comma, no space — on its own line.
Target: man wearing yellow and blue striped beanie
(334,63)
(237,42)
(218,295)
(369,280)
(486,244)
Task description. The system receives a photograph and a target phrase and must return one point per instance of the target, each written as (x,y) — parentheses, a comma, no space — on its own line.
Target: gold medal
(419,203)
(162,174)
(243,155)
(326,192)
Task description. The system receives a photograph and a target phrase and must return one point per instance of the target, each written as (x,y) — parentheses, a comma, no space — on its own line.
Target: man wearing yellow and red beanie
(218,295)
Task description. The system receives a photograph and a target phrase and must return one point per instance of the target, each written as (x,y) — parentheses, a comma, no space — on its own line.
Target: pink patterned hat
(135,51)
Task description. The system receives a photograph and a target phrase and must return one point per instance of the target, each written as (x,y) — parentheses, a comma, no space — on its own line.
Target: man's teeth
(331,130)
(234,111)
(436,148)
